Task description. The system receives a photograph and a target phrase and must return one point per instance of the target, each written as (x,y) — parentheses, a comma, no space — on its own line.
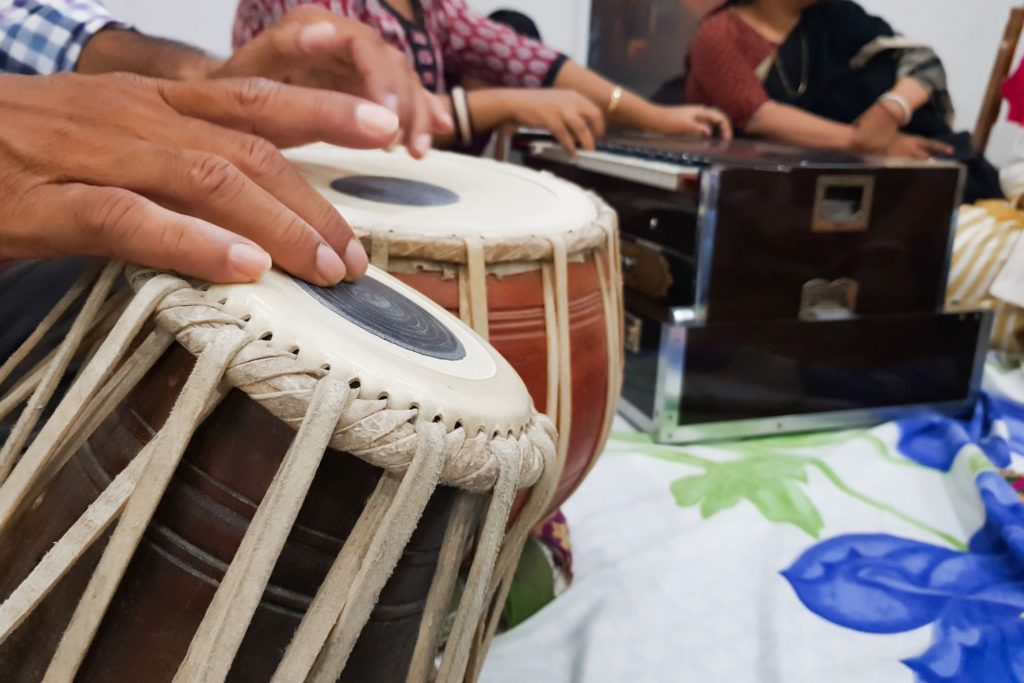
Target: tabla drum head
(443,194)
(389,339)
(381,189)
(527,259)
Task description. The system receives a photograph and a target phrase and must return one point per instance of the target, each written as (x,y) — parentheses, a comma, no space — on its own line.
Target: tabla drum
(530,261)
(271,481)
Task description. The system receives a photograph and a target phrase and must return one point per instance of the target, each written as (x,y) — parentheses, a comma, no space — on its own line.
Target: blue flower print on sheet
(1012,414)
(934,440)
(884,584)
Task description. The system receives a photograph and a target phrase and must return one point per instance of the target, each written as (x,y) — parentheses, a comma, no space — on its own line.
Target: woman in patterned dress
(534,85)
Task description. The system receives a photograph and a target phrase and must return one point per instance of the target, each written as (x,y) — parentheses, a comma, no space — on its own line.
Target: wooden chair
(993,100)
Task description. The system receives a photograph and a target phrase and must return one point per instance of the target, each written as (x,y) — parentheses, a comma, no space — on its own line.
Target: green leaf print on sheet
(771,474)
(772,484)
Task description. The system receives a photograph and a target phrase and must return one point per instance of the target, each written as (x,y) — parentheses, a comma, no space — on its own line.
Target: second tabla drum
(528,260)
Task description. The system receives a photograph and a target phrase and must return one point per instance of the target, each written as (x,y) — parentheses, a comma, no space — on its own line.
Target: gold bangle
(615,99)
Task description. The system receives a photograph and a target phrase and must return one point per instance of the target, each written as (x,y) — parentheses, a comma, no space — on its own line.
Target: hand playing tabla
(178,175)
(314,47)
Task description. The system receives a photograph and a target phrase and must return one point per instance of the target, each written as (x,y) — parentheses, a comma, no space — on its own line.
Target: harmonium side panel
(771,232)
(742,371)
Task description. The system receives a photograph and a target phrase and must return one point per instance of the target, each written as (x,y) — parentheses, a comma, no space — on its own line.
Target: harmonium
(771,289)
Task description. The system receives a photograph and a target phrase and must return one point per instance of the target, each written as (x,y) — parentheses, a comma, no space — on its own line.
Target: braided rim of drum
(369,429)
(415,453)
(453,248)
(478,256)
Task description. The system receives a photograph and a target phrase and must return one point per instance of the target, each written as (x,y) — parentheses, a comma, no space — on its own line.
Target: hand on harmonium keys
(314,47)
(184,176)
(572,119)
(693,120)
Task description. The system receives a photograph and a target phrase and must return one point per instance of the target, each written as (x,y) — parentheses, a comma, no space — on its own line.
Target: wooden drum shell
(517,328)
(451,226)
(197,528)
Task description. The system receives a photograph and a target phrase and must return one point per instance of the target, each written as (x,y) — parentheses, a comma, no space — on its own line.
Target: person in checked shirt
(177,164)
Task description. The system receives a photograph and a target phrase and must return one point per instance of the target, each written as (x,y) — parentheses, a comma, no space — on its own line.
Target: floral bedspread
(890,554)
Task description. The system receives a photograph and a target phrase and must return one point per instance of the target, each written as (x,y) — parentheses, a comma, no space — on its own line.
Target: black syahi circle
(400,191)
(385,313)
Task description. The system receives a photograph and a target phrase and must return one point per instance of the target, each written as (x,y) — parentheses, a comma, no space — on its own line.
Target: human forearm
(913,91)
(571,118)
(879,127)
(114,50)
(632,110)
(488,109)
(788,124)
(491,107)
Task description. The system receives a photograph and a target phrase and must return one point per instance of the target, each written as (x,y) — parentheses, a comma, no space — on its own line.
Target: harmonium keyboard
(772,289)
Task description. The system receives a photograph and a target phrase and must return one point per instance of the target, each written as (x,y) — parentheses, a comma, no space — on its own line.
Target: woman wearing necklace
(826,74)
(530,84)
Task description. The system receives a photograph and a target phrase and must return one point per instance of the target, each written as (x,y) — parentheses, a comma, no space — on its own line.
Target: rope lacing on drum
(330,413)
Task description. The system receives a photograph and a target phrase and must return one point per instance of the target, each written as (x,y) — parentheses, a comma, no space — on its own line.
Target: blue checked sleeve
(47,36)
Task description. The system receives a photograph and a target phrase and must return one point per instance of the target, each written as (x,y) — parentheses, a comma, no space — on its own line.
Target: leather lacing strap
(557,318)
(556,292)
(46,324)
(383,552)
(476,277)
(98,330)
(51,375)
(508,560)
(461,523)
(323,612)
(610,280)
(37,459)
(331,414)
(475,597)
(379,249)
(79,538)
(548,287)
(218,638)
(170,443)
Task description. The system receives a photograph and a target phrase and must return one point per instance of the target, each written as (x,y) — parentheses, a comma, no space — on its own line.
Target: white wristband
(901,102)
(461,107)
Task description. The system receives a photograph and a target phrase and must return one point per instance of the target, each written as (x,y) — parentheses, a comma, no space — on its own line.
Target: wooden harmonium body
(772,289)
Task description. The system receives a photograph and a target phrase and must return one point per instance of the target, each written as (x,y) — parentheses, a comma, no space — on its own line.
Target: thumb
(317,38)
(440,119)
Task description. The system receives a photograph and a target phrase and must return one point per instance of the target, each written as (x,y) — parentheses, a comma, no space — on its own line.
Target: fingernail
(316,34)
(395,140)
(447,120)
(329,265)
(422,142)
(376,119)
(248,261)
(391,102)
(355,257)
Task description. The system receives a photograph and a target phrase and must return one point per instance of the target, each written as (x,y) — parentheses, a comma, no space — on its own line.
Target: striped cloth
(986,234)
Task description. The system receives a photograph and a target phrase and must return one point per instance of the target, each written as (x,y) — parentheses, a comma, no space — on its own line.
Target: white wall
(965,33)
(204,23)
